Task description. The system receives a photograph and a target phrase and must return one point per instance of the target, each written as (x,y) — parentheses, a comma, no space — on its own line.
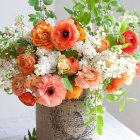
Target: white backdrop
(11,107)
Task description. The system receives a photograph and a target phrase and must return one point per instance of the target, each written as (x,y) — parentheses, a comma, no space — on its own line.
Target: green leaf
(106,0)
(99,130)
(92,111)
(99,109)
(131,100)
(120,10)
(91,4)
(48,2)
(112,39)
(33,2)
(36,21)
(68,10)
(25,138)
(110,97)
(85,19)
(29,134)
(123,27)
(114,3)
(88,122)
(122,106)
(70,53)
(78,7)
(100,120)
(122,39)
(67,84)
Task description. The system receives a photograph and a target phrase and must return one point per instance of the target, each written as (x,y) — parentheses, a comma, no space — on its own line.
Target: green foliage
(126,100)
(122,106)
(42,13)
(11,49)
(137,55)
(67,84)
(88,122)
(94,111)
(112,39)
(106,82)
(31,136)
(70,53)
(48,2)
(95,11)
(124,27)
(116,96)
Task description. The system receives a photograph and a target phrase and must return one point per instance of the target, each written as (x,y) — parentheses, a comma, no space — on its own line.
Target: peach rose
(31,82)
(88,78)
(18,87)
(67,65)
(63,64)
(76,93)
(26,63)
(40,35)
(28,99)
(65,34)
(104,46)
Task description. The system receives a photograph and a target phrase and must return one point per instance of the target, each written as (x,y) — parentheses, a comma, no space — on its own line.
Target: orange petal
(27,99)
(76,93)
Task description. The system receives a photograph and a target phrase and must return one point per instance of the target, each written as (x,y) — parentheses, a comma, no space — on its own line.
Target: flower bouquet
(70,66)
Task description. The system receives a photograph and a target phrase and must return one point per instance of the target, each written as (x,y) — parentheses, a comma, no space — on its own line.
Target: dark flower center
(65,34)
(50,91)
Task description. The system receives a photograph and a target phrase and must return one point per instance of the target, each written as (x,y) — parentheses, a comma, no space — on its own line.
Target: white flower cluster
(47,61)
(130,19)
(116,68)
(8,68)
(107,62)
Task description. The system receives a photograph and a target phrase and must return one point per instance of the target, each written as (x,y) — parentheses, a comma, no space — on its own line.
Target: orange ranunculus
(76,93)
(74,66)
(138,69)
(116,83)
(26,63)
(104,46)
(132,41)
(31,82)
(41,35)
(82,33)
(88,78)
(27,99)
(65,34)
(18,84)
(67,65)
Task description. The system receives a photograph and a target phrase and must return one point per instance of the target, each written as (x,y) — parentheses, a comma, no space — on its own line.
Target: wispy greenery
(31,135)
(41,10)
(97,12)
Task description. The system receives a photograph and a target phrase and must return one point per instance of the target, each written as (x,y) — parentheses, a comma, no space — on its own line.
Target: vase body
(64,122)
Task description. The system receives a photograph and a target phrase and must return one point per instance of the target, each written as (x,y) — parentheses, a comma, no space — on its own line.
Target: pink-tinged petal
(80,82)
(88,78)
(51,93)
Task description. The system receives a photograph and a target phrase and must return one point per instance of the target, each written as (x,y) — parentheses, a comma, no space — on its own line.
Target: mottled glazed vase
(64,122)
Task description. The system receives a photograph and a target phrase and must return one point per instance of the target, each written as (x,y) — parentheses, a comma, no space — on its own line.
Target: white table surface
(15,129)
